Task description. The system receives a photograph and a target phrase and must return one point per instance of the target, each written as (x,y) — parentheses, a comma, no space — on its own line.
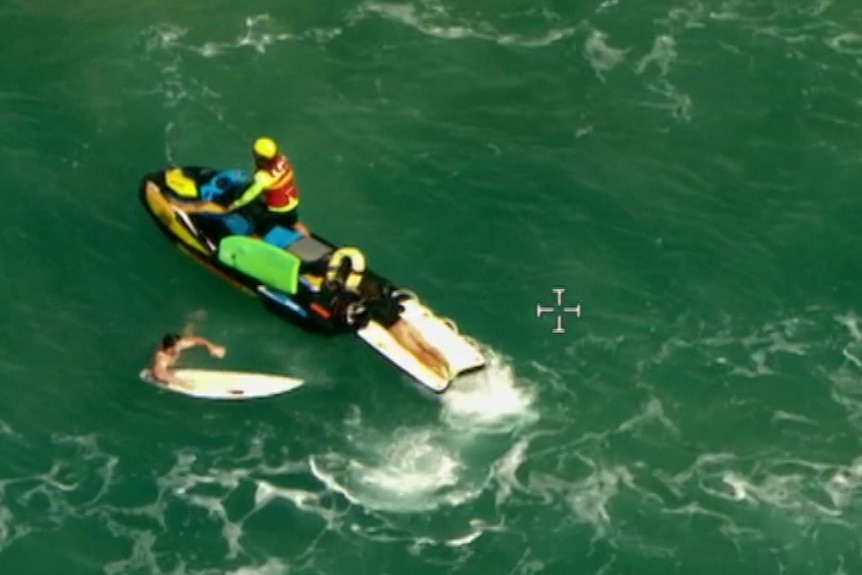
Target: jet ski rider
(274,177)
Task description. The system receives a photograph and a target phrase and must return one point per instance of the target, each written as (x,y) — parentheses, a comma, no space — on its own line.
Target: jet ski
(289,272)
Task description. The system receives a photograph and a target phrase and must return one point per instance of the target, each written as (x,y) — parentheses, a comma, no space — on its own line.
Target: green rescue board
(265,262)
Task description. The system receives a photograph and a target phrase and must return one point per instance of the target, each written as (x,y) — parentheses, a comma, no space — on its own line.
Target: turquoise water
(686,171)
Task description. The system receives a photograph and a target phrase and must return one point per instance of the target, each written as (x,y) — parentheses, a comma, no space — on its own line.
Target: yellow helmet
(265,148)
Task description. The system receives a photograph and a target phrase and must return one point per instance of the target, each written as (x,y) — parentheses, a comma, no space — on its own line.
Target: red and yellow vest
(281,193)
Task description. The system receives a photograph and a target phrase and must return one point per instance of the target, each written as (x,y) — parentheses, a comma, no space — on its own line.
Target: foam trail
(432,19)
(421,468)
(601,55)
(416,472)
(490,400)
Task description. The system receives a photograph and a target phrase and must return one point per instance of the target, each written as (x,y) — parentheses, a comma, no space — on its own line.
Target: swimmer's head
(169,340)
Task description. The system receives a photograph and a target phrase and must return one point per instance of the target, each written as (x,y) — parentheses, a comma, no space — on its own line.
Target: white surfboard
(461,354)
(214,384)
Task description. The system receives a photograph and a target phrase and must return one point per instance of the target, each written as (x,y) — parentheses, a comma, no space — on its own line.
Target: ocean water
(687,171)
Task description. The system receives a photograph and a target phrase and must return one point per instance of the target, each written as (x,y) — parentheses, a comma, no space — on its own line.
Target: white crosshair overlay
(560,309)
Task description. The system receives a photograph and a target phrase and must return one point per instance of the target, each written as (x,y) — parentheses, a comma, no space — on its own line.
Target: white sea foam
(489,400)
(259,32)
(601,55)
(432,19)
(410,469)
(408,475)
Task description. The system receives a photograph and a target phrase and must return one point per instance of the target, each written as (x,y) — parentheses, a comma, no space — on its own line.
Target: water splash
(421,468)
(491,400)
(415,472)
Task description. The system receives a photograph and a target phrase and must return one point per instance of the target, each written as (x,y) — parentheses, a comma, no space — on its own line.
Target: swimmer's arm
(194,341)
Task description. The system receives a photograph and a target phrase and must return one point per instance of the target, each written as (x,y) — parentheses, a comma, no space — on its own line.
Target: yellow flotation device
(357,266)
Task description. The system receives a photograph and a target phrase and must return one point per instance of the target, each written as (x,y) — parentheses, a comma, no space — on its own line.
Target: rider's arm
(261,180)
